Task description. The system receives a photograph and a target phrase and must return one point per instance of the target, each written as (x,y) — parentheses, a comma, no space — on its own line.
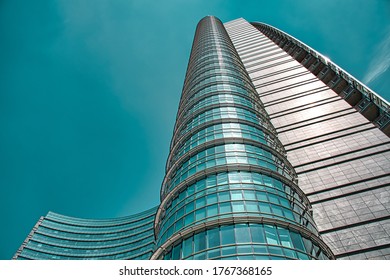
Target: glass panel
(250,195)
(227,235)
(176,252)
(189,207)
(225,208)
(251,206)
(200,256)
(211,198)
(259,249)
(213,239)
(236,195)
(257,233)
(290,253)
(285,237)
(187,247)
(200,202)
(200,241)
(242,233)
(297,240)
(261,196)
(212,210)
(264,207)
(224,196)
(200,214)
(244,249)
(214,253)
(308,245)
(275,250)
(189,219)
(228,251)
(303,256)
(238,206)
(271,235)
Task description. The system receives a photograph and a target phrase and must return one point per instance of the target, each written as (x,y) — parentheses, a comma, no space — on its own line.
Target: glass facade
(59,237)
(229,191)
(250,99)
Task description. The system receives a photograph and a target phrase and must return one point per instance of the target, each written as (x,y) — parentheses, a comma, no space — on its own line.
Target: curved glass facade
(59,237)
(229,191)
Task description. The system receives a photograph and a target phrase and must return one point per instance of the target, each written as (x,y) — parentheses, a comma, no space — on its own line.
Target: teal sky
(89,92)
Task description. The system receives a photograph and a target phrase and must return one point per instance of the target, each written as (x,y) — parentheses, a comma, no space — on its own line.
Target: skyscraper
(268,134)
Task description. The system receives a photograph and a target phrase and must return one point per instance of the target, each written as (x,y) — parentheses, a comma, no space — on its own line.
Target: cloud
(381,62)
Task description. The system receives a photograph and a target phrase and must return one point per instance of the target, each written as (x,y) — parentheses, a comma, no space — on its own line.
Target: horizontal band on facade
(181,235)
(188,118)
(184,137)
(219,169)
(251,97)
(329,134)
(221,141)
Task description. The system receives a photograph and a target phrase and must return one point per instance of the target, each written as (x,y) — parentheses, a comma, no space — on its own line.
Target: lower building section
(244,239)
(59,237)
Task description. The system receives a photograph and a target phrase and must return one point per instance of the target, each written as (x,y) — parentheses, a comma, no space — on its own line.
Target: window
(227,235)
(200,241)
(236,195)
(225,208)
(285,237)
(187,247)
(200,214)
(242,233)
(212,210)
(297,240)
(271,235)
(238,206)
(213,239)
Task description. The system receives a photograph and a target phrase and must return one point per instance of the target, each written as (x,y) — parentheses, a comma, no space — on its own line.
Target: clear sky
(89,92)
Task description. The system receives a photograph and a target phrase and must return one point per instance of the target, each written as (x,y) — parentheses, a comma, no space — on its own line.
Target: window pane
(214,253)
(227,234)
(224,196)
(212,210)
(236,195)
(189,219)
(251,206)
(285,237)
(264,207)
(308,245)
(275,250)
(249,195)
(200,202)
(228,251)
(238,206)
(213,238)
(176,252)
(200,214)
(297,240)
(187,247)
(242,234)
(189,207)
(200,241)
(211,198)
(271,235)
(225,208)
(257,233)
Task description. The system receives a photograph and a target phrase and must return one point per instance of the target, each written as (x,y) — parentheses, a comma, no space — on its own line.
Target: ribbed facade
(59,237)
(334,131)
(229,191)
(268,135)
